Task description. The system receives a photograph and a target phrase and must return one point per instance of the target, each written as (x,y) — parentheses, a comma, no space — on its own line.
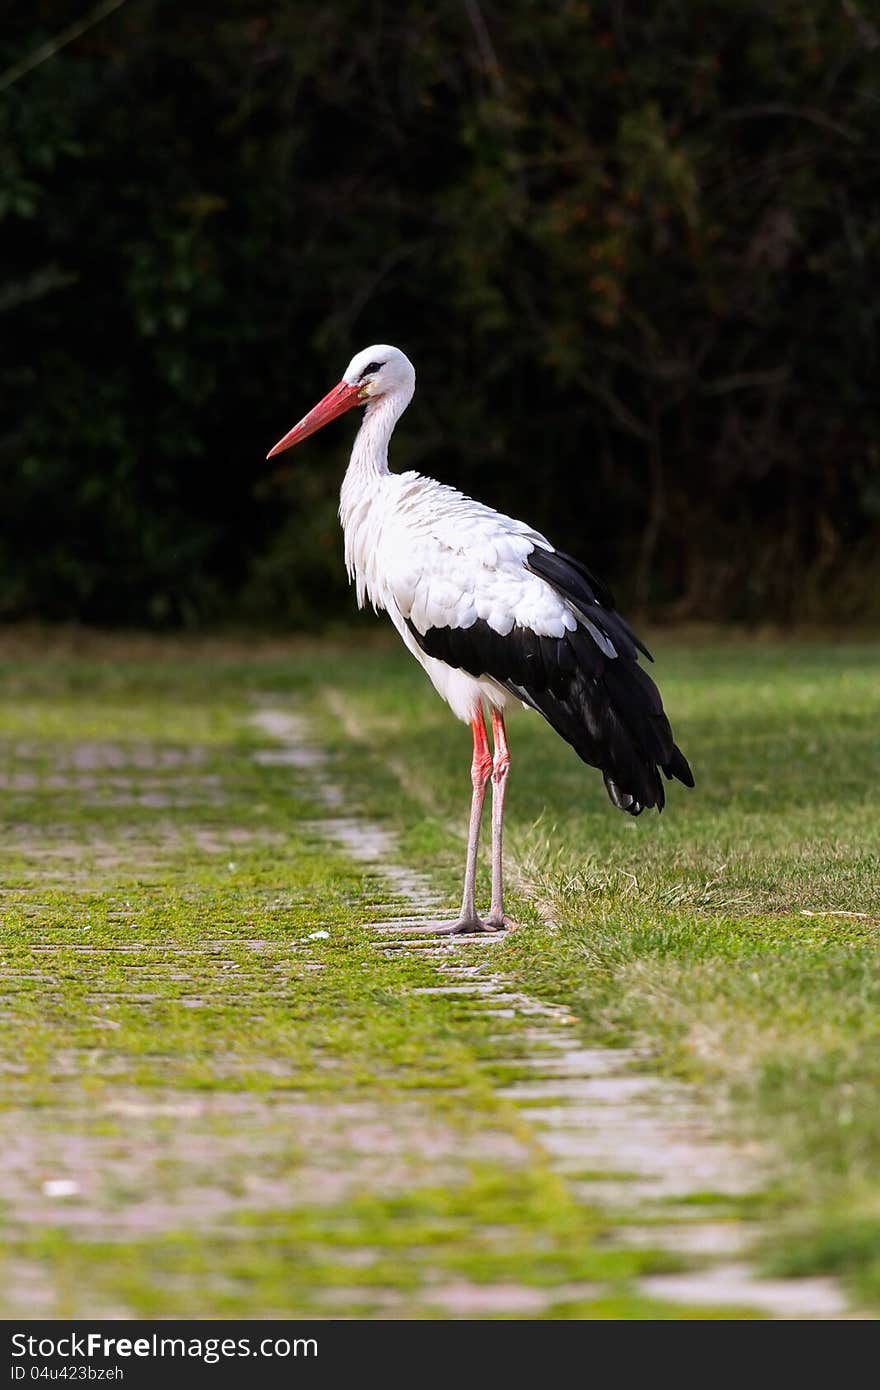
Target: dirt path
(641,1149)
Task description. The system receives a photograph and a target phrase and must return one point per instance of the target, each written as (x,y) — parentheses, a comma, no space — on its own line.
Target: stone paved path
(627,1142)
(110,1155)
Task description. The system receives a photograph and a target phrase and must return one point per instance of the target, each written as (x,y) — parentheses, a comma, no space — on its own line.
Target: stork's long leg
(481,770)
(500,769)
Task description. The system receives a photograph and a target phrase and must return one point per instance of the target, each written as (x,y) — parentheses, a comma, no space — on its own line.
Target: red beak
(336,402)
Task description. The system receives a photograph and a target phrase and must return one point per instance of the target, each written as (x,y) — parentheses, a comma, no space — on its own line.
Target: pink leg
(481,770)
(500,769)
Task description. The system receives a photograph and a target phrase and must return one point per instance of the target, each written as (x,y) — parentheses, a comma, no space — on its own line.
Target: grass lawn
(260,1121)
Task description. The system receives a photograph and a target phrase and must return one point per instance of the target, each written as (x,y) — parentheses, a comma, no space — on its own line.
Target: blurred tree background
(633,251)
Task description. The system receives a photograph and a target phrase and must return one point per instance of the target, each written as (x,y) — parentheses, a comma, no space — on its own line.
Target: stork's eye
(372,367)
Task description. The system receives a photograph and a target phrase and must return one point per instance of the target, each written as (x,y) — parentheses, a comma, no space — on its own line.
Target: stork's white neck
(369,457)
(361,521)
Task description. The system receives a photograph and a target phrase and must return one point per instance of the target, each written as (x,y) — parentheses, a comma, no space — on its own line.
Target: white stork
(493,613)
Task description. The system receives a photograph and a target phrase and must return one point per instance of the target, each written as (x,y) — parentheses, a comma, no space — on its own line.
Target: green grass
(157,907)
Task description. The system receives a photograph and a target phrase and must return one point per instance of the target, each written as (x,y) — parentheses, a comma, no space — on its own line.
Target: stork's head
(377,374)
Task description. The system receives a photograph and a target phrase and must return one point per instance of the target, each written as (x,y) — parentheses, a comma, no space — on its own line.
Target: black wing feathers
(605,705)
(574,582)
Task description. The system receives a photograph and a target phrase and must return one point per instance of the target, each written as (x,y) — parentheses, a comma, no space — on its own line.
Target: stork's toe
(462,926)
(500,922)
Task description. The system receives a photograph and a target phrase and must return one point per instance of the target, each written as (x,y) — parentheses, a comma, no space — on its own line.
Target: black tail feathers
(615,721)
(679,767)
(604,703)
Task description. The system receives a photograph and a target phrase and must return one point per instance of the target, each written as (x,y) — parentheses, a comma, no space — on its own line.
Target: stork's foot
(464,926)
(499,921)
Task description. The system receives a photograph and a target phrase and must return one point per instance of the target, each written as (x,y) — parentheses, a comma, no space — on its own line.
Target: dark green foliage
(633,251)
